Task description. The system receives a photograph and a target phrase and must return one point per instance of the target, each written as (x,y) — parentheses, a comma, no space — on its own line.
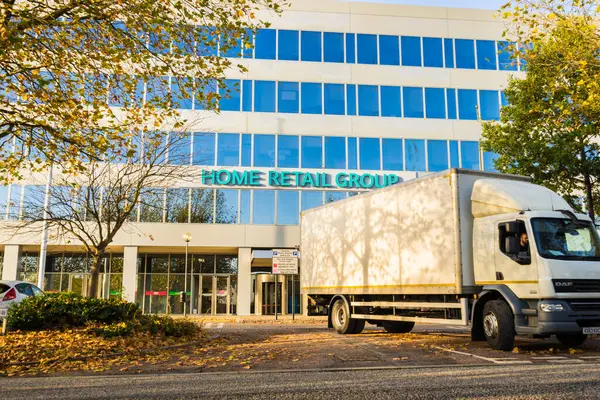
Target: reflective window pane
(389,50)
(449,53)
(335,152)
(263,208)
(228,153)
(369,154)
(311,199)
(392,154)
(3,201)
(202,206)
(367,48)
(181,93)
(288,45)
(488,161)
(451,102)
(507,60)
(335,103)
(264,96)
(413,102)
(454,159)
(486,54)
(204,149)
(151,205)
(288,207)
(415,155)
(469,153)
(208,43)
(467,104)
(179,148)
(437,155)
(265,44)
(287,151)
(226,206)
(435,103)
(465,53)
(311,46)
(352,153)
(433,52)
(14,205)
(368,100)
(411,51)
(333,44)
(350,48)
(247,95)
(489,104)
(351,99)
(230,48)
(312,98)
(177,210)
(390,101)
(245,206)
(230,95)
(312,152)
(264,150)
(288,97)
(503,99)
(246,150)
(331,196)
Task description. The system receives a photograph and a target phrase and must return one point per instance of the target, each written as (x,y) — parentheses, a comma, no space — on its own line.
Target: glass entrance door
(222,295)
(268,298)
(206,295)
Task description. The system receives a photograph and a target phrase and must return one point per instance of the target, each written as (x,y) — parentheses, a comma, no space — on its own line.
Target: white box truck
(458,247)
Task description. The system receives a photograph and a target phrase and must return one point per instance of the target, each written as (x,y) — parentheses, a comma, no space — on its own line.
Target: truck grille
(576,285)
(583,305)
(588,323)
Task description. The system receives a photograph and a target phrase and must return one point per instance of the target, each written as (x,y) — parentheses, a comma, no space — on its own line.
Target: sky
(484,4)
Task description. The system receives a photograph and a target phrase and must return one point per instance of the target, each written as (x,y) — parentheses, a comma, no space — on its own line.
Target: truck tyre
(359,325)
(398,326)
(341,321)
(572,340)
(498,325)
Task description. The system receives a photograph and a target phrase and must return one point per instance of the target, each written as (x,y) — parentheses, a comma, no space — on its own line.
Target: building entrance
(268,298)
(215,296)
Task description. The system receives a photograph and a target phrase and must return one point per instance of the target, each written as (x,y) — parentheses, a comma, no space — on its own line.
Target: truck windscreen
(563,239)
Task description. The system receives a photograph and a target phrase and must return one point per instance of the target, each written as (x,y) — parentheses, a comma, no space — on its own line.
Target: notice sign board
(3,312)
(285,262)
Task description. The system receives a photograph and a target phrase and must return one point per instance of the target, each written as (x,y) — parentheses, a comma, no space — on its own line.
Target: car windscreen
(563,239)
(3,288)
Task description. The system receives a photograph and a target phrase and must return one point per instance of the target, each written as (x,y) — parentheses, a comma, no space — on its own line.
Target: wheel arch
(494,292)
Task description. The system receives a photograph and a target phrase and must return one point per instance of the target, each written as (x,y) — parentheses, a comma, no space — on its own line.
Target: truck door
(517,271)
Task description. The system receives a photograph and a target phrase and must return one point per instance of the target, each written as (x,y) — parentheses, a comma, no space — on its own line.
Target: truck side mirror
(512,245)
(511,227)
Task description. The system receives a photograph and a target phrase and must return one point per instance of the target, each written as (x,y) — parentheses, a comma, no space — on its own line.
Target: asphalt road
(490,382)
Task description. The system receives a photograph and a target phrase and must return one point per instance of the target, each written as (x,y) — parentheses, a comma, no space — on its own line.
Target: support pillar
(130,273)
(244,281)
(12,262)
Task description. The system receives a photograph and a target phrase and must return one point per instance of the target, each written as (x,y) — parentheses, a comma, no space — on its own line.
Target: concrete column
(12,262)
(130,273)
(244,295)
(304,304)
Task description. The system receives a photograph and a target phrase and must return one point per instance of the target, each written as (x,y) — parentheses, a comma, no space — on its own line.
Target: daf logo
(563,284)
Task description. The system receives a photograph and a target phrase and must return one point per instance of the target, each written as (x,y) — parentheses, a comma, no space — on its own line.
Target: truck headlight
(550,307)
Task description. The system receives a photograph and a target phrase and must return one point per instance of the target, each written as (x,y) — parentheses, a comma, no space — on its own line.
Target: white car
(15,291)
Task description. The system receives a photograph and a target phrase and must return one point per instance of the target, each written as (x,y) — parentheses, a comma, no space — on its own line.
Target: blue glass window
(350,48)
(351,99)
(437,155)
(288,97)
(369,154)
(449,53)
(248,44)
(263,208)
(433,52)
(234,50)
(392,154)
(415,155)
(488,161)
(311,46)
(467,104)
(204,149)
(469,154)
(230,95)
(335,103)
(465,53)
(335,152)
(454,159)
(158,90)
(331,196)
(367,48)
(288,45)
(451,101)
(179,148)
(227,206)
(245,206)
(312,152)
(181,93)
(228,154)
(390,101)
(264,96)
(368,100)
(352,153)
(333,44)
(312,98)
(411,51)
(435,103)
(506,59)
(486,54)
(264,150)
(287,151)
(3,201)
(15,202)
(246,150)
(247,95)
(288,207)
(208,43)
(311,199)
(503,99)
(265,44)
(389,50)
(205,91)
(489,105)
(413,102)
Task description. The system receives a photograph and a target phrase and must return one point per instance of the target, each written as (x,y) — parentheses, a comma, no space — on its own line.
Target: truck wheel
(398,326)
(359,325)
(340,318)
(572,340)
(498,325)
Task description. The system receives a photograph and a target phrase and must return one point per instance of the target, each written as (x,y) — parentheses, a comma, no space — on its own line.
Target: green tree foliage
(549,130)
(71,71)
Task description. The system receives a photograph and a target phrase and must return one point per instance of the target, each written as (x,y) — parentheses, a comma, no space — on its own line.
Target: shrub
(168,326)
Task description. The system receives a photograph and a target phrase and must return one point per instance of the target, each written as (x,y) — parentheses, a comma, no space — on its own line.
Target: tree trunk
(94,275)
(589,197)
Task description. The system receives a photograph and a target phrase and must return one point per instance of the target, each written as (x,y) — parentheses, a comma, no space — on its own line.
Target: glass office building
(339,98)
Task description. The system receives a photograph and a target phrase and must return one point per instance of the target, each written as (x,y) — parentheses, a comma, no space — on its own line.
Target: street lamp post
(187,238)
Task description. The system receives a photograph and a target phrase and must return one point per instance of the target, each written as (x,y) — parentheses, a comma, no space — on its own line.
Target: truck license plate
(591,331)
